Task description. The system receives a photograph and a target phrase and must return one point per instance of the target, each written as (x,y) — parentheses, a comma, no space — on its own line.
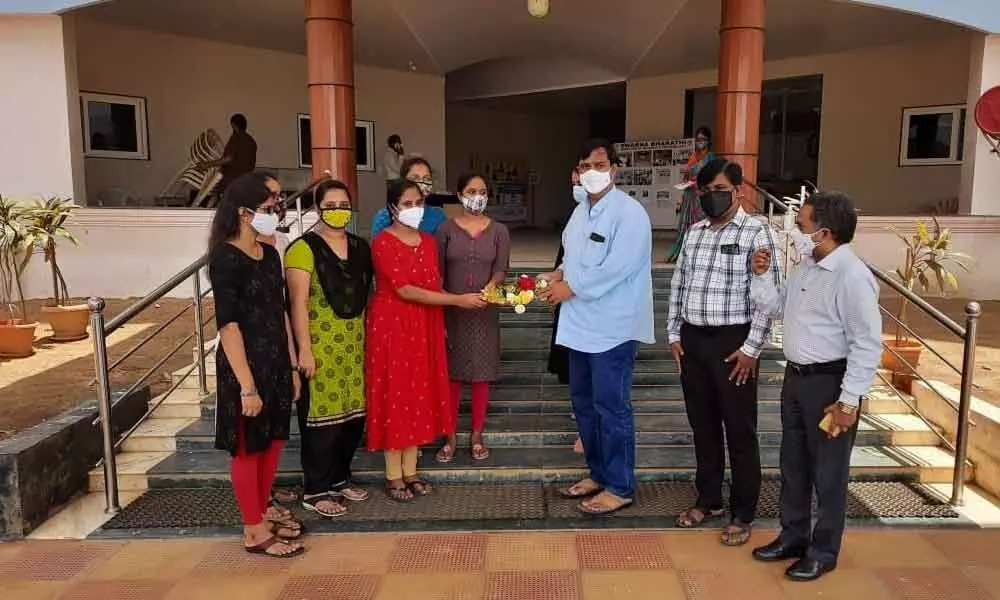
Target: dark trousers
(327,453)
(811,460)
(720,413)
(600,387)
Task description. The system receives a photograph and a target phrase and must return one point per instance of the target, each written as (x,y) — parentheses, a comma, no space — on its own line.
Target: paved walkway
(875,565)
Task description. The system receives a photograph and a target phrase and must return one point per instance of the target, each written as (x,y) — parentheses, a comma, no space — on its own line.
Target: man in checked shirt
(716,335)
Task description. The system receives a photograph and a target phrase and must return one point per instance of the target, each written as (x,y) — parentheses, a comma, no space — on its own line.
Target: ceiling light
(538,8)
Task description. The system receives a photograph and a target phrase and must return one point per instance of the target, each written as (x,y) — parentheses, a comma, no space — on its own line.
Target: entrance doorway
(790,116)
(527,144)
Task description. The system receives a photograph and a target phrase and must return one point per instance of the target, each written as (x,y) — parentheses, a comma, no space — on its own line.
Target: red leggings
(253,475)
(480,400)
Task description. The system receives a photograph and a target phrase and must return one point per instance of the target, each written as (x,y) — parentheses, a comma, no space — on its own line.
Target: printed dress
(406,365)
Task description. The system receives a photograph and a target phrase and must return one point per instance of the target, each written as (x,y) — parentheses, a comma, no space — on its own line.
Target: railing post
(298,213)
(199,334)
(96,306)
(972,313)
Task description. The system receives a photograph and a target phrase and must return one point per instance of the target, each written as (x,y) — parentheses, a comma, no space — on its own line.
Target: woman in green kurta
(329,274)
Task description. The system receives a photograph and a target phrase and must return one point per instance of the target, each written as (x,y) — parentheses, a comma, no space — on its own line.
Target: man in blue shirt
(605,288)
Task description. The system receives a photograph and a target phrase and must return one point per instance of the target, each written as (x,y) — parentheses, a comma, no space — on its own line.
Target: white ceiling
(623,38)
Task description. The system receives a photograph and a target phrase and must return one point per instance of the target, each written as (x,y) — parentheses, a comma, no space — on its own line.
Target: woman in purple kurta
(474,251)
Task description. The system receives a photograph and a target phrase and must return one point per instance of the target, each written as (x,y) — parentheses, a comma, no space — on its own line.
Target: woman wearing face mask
(475,252)
(406,364)
(559,355)
(257,378)
(689,210)
(417,170)
(329,274)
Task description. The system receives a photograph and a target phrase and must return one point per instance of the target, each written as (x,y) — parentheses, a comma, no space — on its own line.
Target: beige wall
(193,84)
(39,108)
(864,93)
(548,142)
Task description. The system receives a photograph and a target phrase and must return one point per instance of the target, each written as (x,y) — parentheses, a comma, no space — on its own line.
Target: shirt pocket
(594,252)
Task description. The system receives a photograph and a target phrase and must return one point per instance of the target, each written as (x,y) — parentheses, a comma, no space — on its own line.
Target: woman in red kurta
(406,361)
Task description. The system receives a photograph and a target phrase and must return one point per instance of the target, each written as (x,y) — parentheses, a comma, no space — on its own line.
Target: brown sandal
(578,490)
(418,487)
(265,547)
(688,520)
(736,533)
(597,506)
(398,491)
(479,451)
(445,454)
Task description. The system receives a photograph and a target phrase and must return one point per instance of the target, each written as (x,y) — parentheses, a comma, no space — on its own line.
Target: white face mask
(264,224)
(804,244)
(579,194)
(595,181)
(411,217)
(476,204)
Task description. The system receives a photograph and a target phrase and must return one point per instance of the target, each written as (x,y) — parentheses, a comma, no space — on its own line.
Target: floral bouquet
(518,294)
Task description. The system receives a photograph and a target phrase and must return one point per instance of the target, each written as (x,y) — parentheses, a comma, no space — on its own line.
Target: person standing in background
(605,288)
(329,273)
(716,335)
(394,157)
(689,210)
(239,157)
(475,252)
(833,343)
(419,171)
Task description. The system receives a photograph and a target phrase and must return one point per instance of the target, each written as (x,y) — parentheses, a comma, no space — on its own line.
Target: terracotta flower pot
(69,323)
(902,375)
(17,339)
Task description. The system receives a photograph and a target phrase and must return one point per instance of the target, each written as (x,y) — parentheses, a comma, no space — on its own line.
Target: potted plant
(48,227)
(928,263)
(16,336)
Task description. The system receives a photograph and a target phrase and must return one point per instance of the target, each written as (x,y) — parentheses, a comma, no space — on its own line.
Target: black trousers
(327,453)
(721,413)
(811,460)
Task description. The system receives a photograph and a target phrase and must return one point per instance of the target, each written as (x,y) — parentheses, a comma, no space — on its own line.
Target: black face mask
(716,203)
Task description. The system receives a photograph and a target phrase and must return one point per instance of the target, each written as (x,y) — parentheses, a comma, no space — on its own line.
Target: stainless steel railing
(967,334)
(101,330)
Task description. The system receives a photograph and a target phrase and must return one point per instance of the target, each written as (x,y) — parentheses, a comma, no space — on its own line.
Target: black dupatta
(346,283)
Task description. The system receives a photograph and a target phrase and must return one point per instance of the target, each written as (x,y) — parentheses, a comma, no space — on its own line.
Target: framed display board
(650,170)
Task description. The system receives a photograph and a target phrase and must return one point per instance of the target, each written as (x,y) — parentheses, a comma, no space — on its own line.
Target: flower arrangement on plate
(517,294)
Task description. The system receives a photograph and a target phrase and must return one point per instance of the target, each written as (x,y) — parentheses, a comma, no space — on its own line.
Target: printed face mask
(411,217)
(338,218)
(264,224)
(476,203)
(425,187)
(804,243)
(716,203)
(579,194)
(595,181)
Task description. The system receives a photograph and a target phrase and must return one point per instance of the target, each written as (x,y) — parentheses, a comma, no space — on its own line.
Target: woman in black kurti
(257,381)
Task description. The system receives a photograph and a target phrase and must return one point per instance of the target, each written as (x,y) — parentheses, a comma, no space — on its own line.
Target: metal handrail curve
(101,330)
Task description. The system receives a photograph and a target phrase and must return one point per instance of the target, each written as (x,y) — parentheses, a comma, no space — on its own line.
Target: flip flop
(445,454)
(312,505)
(569,494)
(706,515)
(604,512)
(479,451)
(263,547)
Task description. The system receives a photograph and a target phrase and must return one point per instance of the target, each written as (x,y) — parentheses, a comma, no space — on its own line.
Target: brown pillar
(330,54)
(741,75)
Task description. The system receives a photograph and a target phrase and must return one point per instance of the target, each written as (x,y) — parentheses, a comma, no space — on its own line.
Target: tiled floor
(875,565)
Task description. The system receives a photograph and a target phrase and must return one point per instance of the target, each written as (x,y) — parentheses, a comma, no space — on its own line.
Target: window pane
(930,136)
(113,127)
(361,145)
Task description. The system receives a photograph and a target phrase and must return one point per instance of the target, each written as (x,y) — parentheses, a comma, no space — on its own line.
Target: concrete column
(741,76)
(330,56)
(41,140)
(980,189)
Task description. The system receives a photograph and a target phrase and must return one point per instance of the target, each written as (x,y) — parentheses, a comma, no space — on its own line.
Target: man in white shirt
(833,343)
(394,156)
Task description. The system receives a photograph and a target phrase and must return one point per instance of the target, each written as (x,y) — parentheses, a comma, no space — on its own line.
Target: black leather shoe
(808,569)
(777,551)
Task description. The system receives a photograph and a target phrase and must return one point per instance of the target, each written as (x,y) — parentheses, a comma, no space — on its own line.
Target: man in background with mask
(604,287)
(716,336)
(394,157)
(833,343)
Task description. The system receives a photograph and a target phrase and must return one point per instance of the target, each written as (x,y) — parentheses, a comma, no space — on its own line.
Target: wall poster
(650,170)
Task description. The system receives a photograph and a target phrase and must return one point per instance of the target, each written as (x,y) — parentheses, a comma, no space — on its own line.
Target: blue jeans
(600,388)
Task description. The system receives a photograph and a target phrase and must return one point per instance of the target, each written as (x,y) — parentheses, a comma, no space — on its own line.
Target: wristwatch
(847,409)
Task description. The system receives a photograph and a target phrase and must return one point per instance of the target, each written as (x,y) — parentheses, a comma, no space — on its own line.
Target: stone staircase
(530,430)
